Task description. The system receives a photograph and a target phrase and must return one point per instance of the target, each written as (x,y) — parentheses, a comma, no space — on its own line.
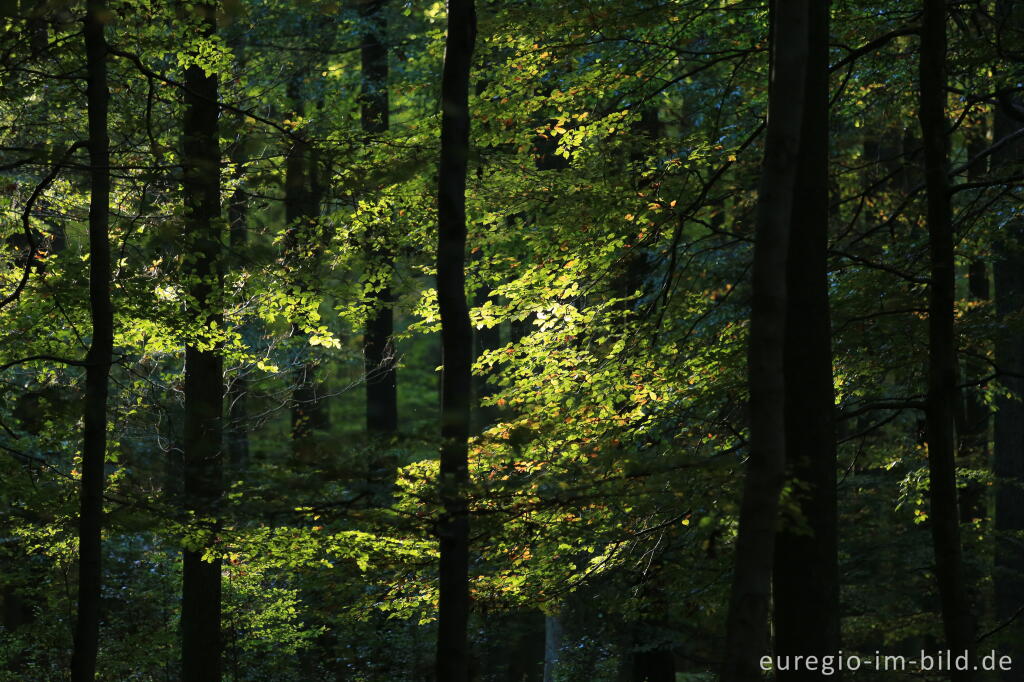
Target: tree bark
(238,389)
(653,666)
(747,624)
(553,635)
(378,351)
(1008,431)
(98,359)
(977,415)
(302,204)
(484,340)
(452,662)
(204,379)
(940,404)
(806,572)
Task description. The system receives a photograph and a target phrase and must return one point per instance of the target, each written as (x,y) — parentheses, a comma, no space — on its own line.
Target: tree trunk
(456,344)
(486,339)
(204,380)
(378,352)
(238,390)
(747,624)
(98,359)
(302,204)
(976,414)
(940,407)
(237,430)
(656,665)
(806,573)
(553,634)
(1008,439)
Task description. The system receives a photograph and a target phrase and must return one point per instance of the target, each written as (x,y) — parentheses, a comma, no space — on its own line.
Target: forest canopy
(577,341)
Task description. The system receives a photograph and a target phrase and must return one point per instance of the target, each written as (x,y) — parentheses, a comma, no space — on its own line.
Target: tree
(806,573)
(747,624)
(237,391)
(942,367)
(204,376)
(379,360)
(302,205)
(1008,431)
(606,216)
(456,345)
(99,357)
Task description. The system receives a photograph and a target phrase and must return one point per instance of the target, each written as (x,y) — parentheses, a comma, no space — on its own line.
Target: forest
(525,341)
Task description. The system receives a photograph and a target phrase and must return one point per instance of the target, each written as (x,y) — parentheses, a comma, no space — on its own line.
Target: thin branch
(26,224)
(909,404)
(150,73)
(1004,624)
(877,43)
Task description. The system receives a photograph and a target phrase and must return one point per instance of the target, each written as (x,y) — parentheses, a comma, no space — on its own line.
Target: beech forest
(522,341)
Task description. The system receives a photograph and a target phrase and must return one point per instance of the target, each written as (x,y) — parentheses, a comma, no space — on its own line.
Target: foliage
(616,150)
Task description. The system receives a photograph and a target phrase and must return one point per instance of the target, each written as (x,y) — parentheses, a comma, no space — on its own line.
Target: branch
(1007,622)
(150,73)
(26,225)
(879,266)
(42,463)
(985,184)
(909,404)
(879,42)
(991,149)
(51,358)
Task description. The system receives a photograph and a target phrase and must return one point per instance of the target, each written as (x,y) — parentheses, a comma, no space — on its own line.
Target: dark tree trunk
(16,612)
(940,408)
(302,204)
(381,378)
(974,418)
(456,345)
(488,338)
(806,574)
(976,414)
(98,359)
(204,379)
(1008,437)
(237,430)
(484,339)
(378,351)
(747,624)
(654,666)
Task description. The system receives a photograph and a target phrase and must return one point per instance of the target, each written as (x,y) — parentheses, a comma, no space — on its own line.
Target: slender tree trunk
(940,409)
(484,340)
(301,203)
(237,427)
(806,574)
(1008,431)
(97,372)
(977,416)
(381,376)
(204,377)
(238,390)
(456,344)
(553,635)
(378,351)
(747,624)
